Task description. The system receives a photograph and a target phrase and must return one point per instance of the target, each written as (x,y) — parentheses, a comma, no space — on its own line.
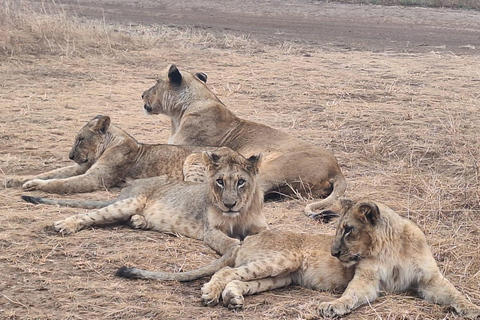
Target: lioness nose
(336,253)
(230,205)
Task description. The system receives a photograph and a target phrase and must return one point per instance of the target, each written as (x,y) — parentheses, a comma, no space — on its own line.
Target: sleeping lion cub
(105,156)
(221,212)
(374,249)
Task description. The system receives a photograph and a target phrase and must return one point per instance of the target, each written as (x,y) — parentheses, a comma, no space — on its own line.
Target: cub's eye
(347,230)
(80,140)
(240,183)
(220,182)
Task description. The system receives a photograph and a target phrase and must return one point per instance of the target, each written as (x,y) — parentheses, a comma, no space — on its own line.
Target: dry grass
(404,128)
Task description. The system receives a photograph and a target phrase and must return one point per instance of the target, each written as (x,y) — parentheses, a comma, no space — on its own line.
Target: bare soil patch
(328,25)
(404,126)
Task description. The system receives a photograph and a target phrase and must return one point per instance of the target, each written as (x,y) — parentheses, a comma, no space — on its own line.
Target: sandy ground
(331,26)
(404,127)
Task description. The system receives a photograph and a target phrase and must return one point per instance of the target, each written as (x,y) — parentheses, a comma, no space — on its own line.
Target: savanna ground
(404,127)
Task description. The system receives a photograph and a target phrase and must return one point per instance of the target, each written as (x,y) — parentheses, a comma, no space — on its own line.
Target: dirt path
(331,25)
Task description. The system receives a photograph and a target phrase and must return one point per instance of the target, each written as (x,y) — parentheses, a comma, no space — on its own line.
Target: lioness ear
(201,76)
(210,158)
(102,124)
(174,75)
(254,162)
(368,211)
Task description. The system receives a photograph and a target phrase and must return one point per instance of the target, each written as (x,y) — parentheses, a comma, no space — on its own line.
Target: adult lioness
(105,156)
(198,117)
(374,249)
(222,211)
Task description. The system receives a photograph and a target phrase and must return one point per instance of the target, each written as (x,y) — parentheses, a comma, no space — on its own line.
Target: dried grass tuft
(403,126)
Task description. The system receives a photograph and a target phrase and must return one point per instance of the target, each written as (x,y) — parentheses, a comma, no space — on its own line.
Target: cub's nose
(230,205)
(147,108)
(71,156)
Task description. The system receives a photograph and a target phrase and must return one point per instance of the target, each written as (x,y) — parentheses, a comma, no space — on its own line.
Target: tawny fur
(221,212)
(107,156)
(291,166)
(373,249)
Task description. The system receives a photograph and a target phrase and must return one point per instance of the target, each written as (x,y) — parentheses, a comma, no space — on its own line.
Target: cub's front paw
(15,182)
(211,294)
(138,222)
(332,309)
(35,184)
(66,226)
(232,297)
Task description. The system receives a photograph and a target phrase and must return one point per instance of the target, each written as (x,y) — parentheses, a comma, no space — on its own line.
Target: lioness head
(175,91)
(231,180)
(87,145)
(355,231)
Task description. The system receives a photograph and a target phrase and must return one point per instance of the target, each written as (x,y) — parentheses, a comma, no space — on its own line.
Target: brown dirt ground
(404,126)
(331,26)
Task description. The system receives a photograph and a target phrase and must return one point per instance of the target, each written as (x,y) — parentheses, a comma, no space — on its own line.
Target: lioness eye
(347,231)
(220,182)
(241,183)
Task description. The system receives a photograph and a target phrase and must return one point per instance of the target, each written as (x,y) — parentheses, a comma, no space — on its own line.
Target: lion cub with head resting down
(221,212)
(106,156)
(373,249)
(290,166)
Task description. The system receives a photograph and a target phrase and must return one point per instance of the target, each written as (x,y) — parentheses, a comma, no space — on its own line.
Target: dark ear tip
(201,76)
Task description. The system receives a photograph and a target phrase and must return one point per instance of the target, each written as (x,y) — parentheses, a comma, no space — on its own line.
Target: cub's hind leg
(119,211)
(439,290)
(232,295)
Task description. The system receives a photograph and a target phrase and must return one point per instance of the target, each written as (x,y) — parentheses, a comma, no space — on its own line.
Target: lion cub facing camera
(221,212)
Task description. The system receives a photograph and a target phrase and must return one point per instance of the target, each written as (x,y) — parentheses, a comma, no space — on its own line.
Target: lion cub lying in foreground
(105,156)
(290,166)
(374,249)
(221,212)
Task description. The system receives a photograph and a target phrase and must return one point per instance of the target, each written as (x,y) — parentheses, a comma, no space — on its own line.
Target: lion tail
(227,259)
(339,187)
(86,204)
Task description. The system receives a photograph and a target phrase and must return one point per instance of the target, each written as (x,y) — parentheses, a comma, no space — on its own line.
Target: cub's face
(171,93)
(355,231)
(231,180)
(88,141)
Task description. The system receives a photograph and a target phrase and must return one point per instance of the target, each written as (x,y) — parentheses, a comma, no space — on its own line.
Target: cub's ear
(254,163)
(201,76)
(210,158)
(174,75)
(101,124)
(368,212)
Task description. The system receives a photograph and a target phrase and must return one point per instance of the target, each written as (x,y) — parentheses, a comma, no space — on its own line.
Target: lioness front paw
(66,226)
(35,184)
(211,294)
(332,309)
